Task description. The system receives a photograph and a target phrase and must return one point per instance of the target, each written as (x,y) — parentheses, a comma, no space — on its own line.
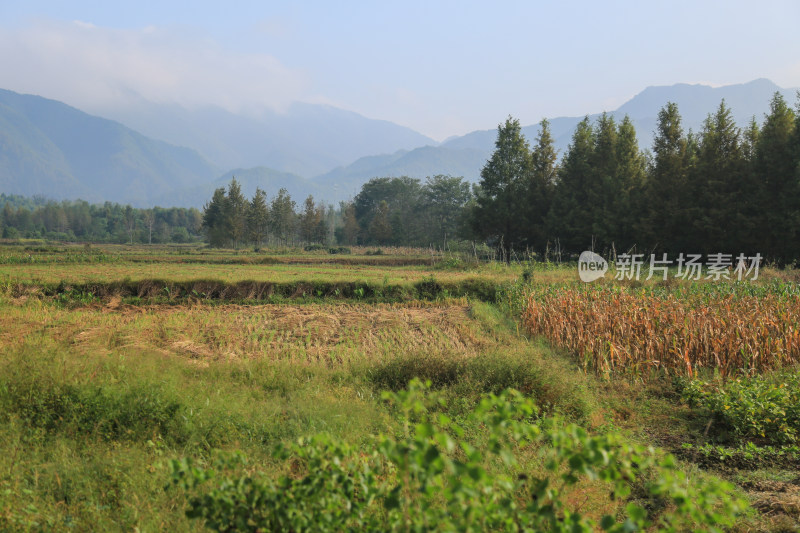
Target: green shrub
(136,413)
(429,289)
(761,408)
(547,379)
(744,456)
(440,370)
(434,475)
(451,263)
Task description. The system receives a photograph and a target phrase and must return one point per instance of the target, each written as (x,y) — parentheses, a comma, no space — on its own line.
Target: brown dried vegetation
(614,330)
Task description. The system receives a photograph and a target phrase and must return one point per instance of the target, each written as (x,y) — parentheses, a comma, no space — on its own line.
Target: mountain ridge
(307,139)
(695,102)
(50,148)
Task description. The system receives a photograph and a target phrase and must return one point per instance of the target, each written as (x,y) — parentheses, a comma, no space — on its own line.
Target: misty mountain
(345,182)
(269,180)
(466,155)
(49,148)
(746,100)
(306,139)
(694,102)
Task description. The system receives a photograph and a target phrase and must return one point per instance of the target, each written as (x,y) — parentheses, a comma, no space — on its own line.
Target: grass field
(115,406)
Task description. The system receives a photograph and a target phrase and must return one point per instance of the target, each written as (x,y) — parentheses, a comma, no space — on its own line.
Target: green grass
(100,390)
(131,388)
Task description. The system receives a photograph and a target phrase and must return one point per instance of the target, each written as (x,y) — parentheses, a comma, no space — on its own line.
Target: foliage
(437,474)
(313,224)
(258,217)
(604,193)
(405,211)
(84,222)
(763,408)
(229,219)
(747,455)
(502,193)
(775,168)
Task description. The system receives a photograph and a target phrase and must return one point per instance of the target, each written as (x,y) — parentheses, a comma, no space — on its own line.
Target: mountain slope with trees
(49,148)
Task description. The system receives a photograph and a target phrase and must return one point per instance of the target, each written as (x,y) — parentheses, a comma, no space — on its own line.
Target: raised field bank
(180,388)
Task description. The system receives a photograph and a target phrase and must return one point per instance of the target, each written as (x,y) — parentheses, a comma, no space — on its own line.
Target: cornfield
(617,330)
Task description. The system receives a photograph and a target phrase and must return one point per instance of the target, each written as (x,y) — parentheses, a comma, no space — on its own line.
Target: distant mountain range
(306,139)
(268,179)
(345,182)
(694,102)
(49,148)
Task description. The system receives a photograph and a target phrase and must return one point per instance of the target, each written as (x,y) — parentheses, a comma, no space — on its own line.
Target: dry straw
(636,332)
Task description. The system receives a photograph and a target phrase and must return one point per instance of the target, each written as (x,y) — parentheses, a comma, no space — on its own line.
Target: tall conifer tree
(501,198)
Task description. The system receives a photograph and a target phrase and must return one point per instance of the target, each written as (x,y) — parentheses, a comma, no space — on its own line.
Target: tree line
(387,211)
(724,189)
(37,217)
(229,219)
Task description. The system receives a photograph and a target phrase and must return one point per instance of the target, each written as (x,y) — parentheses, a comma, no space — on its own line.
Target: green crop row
(761,408)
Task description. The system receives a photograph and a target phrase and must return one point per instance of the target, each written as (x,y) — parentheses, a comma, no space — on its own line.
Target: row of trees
(387,211)
(229,219)
(80,221)
(722,190)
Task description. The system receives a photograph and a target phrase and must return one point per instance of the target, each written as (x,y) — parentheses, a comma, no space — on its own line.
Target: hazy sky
(442,68)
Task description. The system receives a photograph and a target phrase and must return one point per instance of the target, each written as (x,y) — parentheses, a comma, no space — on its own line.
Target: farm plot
(727,329)
(159,391)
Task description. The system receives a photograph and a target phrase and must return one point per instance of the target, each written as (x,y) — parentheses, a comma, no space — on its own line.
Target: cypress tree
(666,188)
(283,216)
(309,220)
(603,186)
(541,183)
(571,216)
(214,219)
(627,204)
(258,217)
(498,214)
(776,171)
(716,182)
(236,213)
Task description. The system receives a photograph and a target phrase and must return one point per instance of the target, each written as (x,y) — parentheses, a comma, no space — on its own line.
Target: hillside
(269,180)
(49,148)
(306,139)
(345,182)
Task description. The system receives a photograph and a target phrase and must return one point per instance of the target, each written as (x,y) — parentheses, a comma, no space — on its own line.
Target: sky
(442,68)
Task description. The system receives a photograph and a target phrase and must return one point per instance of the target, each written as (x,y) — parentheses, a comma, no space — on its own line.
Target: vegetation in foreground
(119,415)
